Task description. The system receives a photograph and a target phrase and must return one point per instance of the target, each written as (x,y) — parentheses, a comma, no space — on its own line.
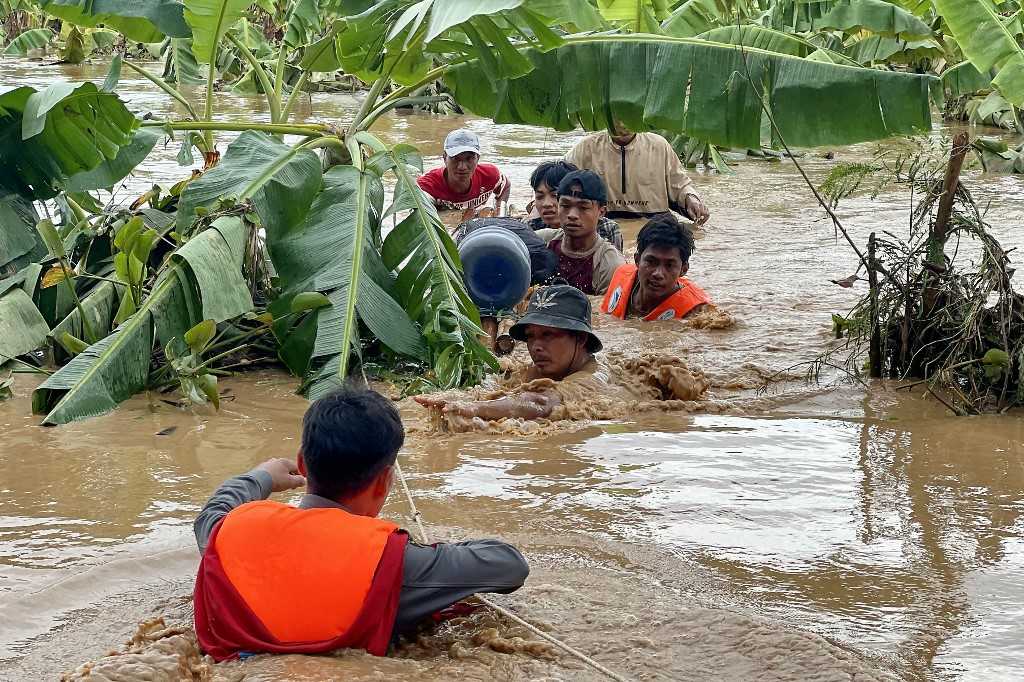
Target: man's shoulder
(656,141)
(590,142)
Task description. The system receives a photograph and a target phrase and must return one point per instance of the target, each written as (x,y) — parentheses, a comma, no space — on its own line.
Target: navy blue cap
(591,186)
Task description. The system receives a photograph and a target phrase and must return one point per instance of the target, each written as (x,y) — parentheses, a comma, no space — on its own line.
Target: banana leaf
(965,79)
(112,171)
(885,49)
(22,327)
(303,23)
(639,16)
(770,40)
(332,251)
(210,20)
(113,369)
(576,16)
(429,285)
(987,43)
(878,16)
(701,89)
(180,65)
(694,17)
(19,241)
(47,137)
(32,39)
(281,181)
(144,22)
(99,306)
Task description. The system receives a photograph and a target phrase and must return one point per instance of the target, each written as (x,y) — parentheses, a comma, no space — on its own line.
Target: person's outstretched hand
(284,474)
(698,212)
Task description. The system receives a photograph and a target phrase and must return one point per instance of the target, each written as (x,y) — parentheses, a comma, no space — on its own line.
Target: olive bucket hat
(560,306)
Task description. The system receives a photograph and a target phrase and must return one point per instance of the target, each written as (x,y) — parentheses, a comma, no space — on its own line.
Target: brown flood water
(812,533)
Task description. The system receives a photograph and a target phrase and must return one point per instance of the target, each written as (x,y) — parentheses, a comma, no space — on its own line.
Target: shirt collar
(311,501)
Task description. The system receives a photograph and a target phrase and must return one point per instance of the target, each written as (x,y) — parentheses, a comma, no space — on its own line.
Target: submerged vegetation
(285,248)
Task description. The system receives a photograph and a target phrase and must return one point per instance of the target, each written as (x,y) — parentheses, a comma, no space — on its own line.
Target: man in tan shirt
(643,173)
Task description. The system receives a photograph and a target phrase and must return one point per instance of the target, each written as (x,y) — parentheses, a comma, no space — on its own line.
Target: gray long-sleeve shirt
(433,578)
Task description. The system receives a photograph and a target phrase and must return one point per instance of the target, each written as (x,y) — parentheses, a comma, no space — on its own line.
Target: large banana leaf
(877,16)
(578,16)
(32,39)
(694,17)
(879,49)
(965,79)
(429,284)
(112,171)
(333,251)
(987,43)
(303,23)
(701,89)
(22,327)
(144,22)
(281,181)
(19,241)
(99,306)
(115,368)
(771,40)
(210,20)
(47,137)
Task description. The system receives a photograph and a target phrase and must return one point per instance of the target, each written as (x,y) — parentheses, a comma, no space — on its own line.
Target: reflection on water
(878,520)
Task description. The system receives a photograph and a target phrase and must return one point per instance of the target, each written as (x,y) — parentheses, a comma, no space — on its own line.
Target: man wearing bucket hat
(463,183)
(561,342)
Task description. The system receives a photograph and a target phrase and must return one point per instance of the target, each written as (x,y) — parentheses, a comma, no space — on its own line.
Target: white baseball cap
(461,140)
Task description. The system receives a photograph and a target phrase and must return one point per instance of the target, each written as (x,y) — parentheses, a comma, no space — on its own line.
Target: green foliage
(22,327)
(699,88)
(19,242)
(987,43)
(145,22)
(32,39)
(209,21)
(49,136)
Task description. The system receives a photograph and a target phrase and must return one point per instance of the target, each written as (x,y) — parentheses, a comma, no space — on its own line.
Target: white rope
(417,517)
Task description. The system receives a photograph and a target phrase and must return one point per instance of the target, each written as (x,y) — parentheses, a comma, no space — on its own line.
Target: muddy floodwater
(830,532)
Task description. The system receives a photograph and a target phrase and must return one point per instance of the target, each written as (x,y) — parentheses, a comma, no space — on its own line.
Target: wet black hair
(664,230)
(348,438)
(551,173)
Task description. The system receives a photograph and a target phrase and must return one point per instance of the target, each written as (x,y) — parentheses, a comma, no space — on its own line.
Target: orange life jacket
(676,306)
(279,579)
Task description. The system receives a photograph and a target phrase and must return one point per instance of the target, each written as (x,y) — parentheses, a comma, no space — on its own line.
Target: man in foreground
(545,180)
(329,574)
(585,260)
(561,343)
(655,288)
(643,173)
(464,183)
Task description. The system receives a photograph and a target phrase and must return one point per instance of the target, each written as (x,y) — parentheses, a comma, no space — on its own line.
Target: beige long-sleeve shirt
(643,178)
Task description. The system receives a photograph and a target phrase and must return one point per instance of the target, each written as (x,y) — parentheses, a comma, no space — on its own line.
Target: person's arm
(682,195)
(528,405)
(272,476)
(607,261)
(436,577)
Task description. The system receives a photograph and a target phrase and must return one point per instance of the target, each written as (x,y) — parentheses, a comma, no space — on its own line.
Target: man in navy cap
(464,184)
(585,259)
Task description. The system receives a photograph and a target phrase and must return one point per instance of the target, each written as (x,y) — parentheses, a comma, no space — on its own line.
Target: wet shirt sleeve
(435,577)
(234,492)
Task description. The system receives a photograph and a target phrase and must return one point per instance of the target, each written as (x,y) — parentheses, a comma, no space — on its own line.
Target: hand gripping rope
(418,518)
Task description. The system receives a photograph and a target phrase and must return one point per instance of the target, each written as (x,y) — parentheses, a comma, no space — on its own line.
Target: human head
(620,134)
(350,440)
(545,180)
(557,330)
(663,250)
(461,155)
(582,202)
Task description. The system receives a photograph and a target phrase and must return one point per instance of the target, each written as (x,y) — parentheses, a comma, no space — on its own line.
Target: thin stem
(165,86)
(279,80)
(69,283)
(208,109)
(261,76)
(368,103)
(293,97)
(403,101)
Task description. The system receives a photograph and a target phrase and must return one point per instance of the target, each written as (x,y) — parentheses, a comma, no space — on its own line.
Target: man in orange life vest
(329,574)
(655,288)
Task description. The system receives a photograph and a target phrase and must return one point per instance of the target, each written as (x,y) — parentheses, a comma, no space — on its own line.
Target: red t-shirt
(487,182)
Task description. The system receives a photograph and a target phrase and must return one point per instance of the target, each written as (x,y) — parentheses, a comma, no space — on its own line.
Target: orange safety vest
(676,306)
(278,579)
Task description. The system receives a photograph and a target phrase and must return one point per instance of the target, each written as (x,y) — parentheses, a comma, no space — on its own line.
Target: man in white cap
(464,184)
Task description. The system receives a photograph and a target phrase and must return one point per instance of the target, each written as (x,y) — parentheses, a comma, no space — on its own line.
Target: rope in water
(418,518)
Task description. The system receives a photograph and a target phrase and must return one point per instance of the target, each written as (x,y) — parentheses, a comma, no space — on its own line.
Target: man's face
(546,203)
(461,166)
(621,135)
(578,216)
(658,269)
(553,350)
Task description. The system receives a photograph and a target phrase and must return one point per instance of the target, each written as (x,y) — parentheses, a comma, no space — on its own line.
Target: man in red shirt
(465,184)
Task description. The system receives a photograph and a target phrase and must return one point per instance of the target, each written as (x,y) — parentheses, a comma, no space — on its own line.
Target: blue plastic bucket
(496,267)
